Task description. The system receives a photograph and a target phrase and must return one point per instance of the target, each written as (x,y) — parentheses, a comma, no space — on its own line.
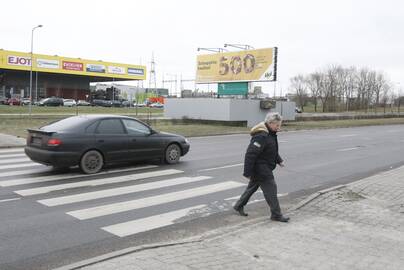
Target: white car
(69,102)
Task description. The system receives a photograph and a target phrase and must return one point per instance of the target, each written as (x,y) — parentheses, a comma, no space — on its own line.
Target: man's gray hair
(273,117)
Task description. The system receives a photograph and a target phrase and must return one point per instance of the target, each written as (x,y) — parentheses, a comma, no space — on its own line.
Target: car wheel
(172,154)
(91,162)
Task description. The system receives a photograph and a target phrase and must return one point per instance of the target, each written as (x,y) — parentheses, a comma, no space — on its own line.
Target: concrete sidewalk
(7,141)
(355,226)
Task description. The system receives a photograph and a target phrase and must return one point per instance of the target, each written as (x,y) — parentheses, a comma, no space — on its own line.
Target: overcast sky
(310,34)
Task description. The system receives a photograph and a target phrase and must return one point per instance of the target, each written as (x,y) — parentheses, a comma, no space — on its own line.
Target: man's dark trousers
(268,187)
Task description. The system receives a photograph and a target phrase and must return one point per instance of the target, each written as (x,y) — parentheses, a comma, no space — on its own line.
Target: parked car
(91,141)
(51,101)
(69,102)
(101,103)
(14,101)
(157,105)
(83,103)
(127,103)
(116,103)
(139,105)
(3,100)
(25,101)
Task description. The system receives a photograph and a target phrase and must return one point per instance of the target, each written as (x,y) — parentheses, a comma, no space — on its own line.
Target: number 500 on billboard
(249,65)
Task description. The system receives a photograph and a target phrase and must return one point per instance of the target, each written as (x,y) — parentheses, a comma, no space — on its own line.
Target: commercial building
(58,76)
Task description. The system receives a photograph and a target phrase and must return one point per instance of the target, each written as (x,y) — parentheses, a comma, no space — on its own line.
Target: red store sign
(72,66)
(18,61)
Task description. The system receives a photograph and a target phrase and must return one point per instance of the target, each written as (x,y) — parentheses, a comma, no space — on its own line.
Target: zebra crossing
(87,197)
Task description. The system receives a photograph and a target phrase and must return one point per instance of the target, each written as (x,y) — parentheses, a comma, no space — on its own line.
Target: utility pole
(152,78)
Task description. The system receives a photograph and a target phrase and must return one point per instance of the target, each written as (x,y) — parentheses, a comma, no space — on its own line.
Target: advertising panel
(76,66)
(67,65)
(248,65)
(116,70)
(47,63)
(135,71)
(95,68)
(18,60)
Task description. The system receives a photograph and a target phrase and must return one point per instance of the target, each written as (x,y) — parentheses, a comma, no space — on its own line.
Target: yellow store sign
(77,66)
(249,65)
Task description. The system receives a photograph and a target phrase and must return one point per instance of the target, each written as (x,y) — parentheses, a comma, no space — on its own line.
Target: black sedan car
(91,141)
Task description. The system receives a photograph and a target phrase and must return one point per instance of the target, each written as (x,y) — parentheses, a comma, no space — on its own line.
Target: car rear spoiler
(42,132)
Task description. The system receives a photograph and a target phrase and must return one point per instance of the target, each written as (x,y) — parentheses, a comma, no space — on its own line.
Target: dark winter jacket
(262,152)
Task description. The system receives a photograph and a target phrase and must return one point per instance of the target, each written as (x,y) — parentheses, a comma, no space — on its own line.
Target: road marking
(109,180)
(25,172)
(259,192)
(40,179)
(348,135)
(115,208)
(12,166)
(13,160)
(347,149)
(149,223)
(8,200)
(12,150)
(12,156)
(120,191)
(223,167)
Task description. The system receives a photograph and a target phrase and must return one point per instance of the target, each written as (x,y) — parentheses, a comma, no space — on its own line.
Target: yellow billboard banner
(64,65)
(249,65)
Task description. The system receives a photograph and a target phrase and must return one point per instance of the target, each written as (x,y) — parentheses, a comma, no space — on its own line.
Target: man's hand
(282,164)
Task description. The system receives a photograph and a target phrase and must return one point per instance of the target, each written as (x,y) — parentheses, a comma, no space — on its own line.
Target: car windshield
(66,124)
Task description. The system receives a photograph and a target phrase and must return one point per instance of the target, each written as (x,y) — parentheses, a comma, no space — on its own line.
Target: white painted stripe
(238,197)
(223,167)
(40,179)
(120,191)
(347,149)
(12,156)
(25,172)
(109,180)
(13,160)
(8,200)
(12,150)
(348,135)
(149,223)
(115,208)
(13,166)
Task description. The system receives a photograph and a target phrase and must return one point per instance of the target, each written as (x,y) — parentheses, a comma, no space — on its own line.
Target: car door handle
(133,140)
(100,140)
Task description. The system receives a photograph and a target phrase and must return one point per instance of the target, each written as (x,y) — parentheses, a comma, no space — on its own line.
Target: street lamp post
(30,73)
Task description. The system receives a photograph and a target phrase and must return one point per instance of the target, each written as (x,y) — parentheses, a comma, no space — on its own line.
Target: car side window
(110,126)
(136,128)
(91,128)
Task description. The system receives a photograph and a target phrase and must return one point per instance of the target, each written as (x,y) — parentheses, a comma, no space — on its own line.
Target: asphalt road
(49,219)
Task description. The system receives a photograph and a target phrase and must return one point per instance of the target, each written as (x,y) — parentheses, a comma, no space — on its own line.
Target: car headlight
(186,141)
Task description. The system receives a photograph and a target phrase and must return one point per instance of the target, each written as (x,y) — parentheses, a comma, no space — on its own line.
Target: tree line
(336,88)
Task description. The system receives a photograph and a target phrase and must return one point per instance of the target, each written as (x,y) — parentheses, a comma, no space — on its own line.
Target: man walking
(260,160)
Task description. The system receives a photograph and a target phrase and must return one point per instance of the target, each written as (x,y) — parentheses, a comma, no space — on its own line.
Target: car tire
(172,154)
(91,162)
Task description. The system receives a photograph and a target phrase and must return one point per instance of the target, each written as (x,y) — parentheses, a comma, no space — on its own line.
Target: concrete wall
(224,109)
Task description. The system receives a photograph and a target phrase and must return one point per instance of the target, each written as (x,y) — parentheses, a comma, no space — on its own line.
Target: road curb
(314,196)
(195,239)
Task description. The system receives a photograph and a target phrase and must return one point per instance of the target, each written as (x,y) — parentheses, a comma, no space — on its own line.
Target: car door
(112,140)
(143,143)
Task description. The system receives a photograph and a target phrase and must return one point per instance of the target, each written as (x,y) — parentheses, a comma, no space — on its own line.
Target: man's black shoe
(240,211)
(280,218)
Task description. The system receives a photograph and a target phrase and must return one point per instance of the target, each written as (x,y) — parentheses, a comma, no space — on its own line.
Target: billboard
(76,66)
(241,66)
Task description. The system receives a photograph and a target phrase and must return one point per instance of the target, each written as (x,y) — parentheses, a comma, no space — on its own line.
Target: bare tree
(314,84)
(298,84)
